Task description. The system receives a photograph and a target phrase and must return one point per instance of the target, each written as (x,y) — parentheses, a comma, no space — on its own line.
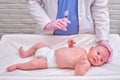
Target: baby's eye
(101,60)
(98,53)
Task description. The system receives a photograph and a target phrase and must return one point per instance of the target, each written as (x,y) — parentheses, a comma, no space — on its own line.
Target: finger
(69,41)
(66,20)
(107,46)
(62,25)
(58,27)
(72,41)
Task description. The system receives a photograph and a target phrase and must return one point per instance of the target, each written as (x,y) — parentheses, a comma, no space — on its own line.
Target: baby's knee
(34,63)
(39,44)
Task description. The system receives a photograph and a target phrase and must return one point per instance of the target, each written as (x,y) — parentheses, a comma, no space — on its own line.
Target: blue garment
(72,7)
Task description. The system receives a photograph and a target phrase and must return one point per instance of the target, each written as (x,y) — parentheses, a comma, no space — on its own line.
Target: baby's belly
(64,62)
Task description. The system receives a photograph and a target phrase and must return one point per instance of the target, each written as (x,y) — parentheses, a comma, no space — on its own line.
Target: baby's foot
(22,52)
(12,68)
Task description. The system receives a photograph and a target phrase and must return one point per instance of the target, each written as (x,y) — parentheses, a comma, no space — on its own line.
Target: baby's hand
(71,42)
(82,66)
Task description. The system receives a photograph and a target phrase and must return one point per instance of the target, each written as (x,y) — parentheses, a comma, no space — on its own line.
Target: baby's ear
(92,48)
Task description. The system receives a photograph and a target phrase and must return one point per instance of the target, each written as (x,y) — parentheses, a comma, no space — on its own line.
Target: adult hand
(106,44)
(58,24)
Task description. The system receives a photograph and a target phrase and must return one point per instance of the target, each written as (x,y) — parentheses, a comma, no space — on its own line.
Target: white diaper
(48,54)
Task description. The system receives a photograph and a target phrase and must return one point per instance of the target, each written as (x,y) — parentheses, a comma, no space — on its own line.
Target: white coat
(92,14)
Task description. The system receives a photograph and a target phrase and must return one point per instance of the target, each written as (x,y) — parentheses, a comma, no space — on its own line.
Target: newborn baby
(70,57)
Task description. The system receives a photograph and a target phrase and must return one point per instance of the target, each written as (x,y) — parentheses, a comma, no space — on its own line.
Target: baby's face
(98,55)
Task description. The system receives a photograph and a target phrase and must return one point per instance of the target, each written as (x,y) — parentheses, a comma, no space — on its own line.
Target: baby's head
(98,55)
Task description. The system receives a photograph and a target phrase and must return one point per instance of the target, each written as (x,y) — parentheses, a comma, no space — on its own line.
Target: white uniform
(93,16)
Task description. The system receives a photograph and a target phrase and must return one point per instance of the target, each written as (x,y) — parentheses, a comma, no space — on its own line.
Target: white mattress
(9,45)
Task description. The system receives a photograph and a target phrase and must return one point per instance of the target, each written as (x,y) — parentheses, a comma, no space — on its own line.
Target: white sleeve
(101,19)
(38,13)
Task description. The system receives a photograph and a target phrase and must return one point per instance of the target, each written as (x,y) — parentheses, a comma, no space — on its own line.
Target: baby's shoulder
(83,50)
(83,61)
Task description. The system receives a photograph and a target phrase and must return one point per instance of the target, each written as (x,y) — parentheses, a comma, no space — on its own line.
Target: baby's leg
(37,63)
(32,50)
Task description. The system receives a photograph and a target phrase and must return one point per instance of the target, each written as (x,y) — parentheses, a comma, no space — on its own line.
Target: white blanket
(10,44)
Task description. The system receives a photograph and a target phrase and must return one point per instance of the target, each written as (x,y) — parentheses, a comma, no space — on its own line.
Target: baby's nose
(99,58)
(96,59)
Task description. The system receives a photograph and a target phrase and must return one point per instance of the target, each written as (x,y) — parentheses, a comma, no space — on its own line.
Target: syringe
(66,13)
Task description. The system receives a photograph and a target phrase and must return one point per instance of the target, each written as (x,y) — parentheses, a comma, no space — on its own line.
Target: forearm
(82,68)
(101,19)
(38,13)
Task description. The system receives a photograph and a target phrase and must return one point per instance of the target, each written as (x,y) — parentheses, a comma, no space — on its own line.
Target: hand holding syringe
(59,23)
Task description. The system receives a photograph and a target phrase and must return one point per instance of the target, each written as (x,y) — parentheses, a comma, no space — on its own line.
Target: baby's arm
(82,66)
(71,43)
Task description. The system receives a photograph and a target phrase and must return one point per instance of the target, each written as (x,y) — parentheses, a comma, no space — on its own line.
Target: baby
(70,57)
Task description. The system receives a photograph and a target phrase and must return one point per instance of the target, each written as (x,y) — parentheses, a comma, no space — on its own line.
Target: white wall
(114,9)
(15,17)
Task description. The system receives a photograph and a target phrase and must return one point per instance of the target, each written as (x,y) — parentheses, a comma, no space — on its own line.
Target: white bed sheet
(9,45)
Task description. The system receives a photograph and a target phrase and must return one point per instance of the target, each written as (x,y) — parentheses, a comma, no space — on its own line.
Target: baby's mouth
(93,60)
